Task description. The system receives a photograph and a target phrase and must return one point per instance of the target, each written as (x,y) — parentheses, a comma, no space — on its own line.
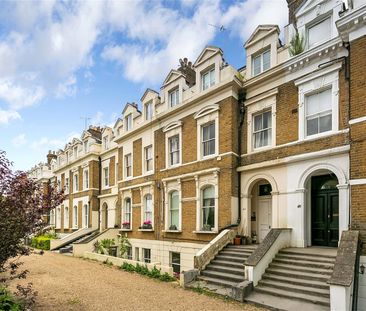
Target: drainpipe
(241,113)
(99,188)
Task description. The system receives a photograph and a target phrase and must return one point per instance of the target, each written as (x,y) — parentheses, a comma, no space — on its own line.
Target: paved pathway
(68,283)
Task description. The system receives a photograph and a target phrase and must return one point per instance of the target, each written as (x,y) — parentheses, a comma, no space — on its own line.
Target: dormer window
(174,97)
(86,146)
(208,79)
(128,122)
(261,62)
(320,32)
(75,152)
(148,111)
(105,142)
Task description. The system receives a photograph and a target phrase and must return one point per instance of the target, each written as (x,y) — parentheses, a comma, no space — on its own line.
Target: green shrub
(155,273)
(143,270)
(41,242)
(8,302)
(128,267)
(166,277)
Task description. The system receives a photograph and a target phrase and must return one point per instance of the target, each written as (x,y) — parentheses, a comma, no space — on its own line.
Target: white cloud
(97,119)
(8,115)
(45,143)
(19,140)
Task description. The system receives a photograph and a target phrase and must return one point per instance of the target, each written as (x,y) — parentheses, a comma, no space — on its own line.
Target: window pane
(312,126)
(325,123)
(212,77)
(208,193)
(319,33)
(266,60)
(209,217)
(267,120)
(258,122)
(174,209)
(319,102)
(257,65)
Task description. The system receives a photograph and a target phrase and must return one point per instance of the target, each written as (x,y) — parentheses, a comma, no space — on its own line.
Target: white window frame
(145,259)
(171,264)
(202,207)
(76,182)
(75,150)
(209,74)
(208,141)
(327,78)
(124,211)
(175,151)
(85,214)
(86,179)
(128,122)
(168,189)
(58,217)
(146,159)
(66,217)
(75,221)
(174,97)
(270,129)
(148,110)
(260,56)
(313,24)
(145,210)
(106,142)
(106,176)
(128,168)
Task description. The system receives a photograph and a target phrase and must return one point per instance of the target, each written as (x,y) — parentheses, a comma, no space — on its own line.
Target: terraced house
(273,152)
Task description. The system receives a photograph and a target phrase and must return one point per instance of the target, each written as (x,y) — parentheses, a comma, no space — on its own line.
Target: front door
(324,212)
(264,216)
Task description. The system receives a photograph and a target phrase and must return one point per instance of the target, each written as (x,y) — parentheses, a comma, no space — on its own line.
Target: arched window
(58,217)
(66,217)
(86,216)
(173,217)
(127,214)
(75,217)
(148,208)
(208,208)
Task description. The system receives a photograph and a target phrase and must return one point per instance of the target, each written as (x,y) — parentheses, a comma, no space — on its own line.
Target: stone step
(230,258)
(298,274)
(292,295)
(236,278)
(235,254)
(321,292)
(242,247)
(328,271)
(306,258)
(237,250)
(306,263)
(226,263)
(216,281)
(222,268)
(296,281)
(308,253)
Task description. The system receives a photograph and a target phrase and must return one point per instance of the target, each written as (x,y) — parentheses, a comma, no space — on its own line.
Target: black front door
(324,211)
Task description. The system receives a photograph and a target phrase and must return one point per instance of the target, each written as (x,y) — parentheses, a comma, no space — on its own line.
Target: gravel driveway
(67,283)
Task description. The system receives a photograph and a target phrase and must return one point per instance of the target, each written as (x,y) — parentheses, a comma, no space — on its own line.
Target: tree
(23,201)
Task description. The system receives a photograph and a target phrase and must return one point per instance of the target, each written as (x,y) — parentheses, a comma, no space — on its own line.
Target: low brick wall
(117,261)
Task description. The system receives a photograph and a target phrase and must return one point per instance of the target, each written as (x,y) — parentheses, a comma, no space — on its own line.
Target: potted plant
(126,225)
(254,238)
(237,240)
(147,224)
(173,228)
(206,227)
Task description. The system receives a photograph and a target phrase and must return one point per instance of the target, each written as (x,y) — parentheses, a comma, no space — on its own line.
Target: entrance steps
(68,248)
(296,279)
(226,269)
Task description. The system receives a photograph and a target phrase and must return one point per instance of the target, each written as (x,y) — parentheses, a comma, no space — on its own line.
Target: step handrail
(259,260)
(209,251)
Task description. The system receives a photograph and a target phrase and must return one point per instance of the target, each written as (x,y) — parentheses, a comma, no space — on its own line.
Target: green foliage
(104,246)
(124,245)
(108,263)
(154,273)
(8,302)
(41,242)
(297,44)
(51,234)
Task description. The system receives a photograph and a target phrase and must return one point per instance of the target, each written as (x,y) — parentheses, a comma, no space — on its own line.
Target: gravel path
(67,283)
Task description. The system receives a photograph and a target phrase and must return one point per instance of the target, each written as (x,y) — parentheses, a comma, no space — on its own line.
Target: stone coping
(265,246)
(344,266)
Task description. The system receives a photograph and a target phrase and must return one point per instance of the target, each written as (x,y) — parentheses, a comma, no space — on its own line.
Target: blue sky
(63,60)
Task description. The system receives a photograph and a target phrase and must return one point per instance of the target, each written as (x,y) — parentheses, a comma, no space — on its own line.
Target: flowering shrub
(126,225)
(147,224)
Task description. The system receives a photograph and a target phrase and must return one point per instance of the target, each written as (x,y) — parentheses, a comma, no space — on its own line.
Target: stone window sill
(205,232)
(125,230)
(146,230)
(172,231)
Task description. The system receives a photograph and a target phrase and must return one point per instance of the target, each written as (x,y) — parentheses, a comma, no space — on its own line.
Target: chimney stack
(293,5)
(51,155)
(186,68)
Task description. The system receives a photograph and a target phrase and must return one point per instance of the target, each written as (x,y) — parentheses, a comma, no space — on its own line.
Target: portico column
(275,210)
(301,234)
(343,207)
(246,215)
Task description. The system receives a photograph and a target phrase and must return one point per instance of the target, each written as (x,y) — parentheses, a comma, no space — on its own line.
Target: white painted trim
(360,181)
(192,174)
(357,120)
(136,186)
(295,158)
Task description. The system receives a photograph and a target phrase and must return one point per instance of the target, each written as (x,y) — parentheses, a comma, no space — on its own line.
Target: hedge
(41,242)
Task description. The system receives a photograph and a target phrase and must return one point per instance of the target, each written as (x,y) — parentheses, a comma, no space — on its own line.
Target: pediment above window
(172,126)
(206,110)
(206,54)
(172,76)
(261,32)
